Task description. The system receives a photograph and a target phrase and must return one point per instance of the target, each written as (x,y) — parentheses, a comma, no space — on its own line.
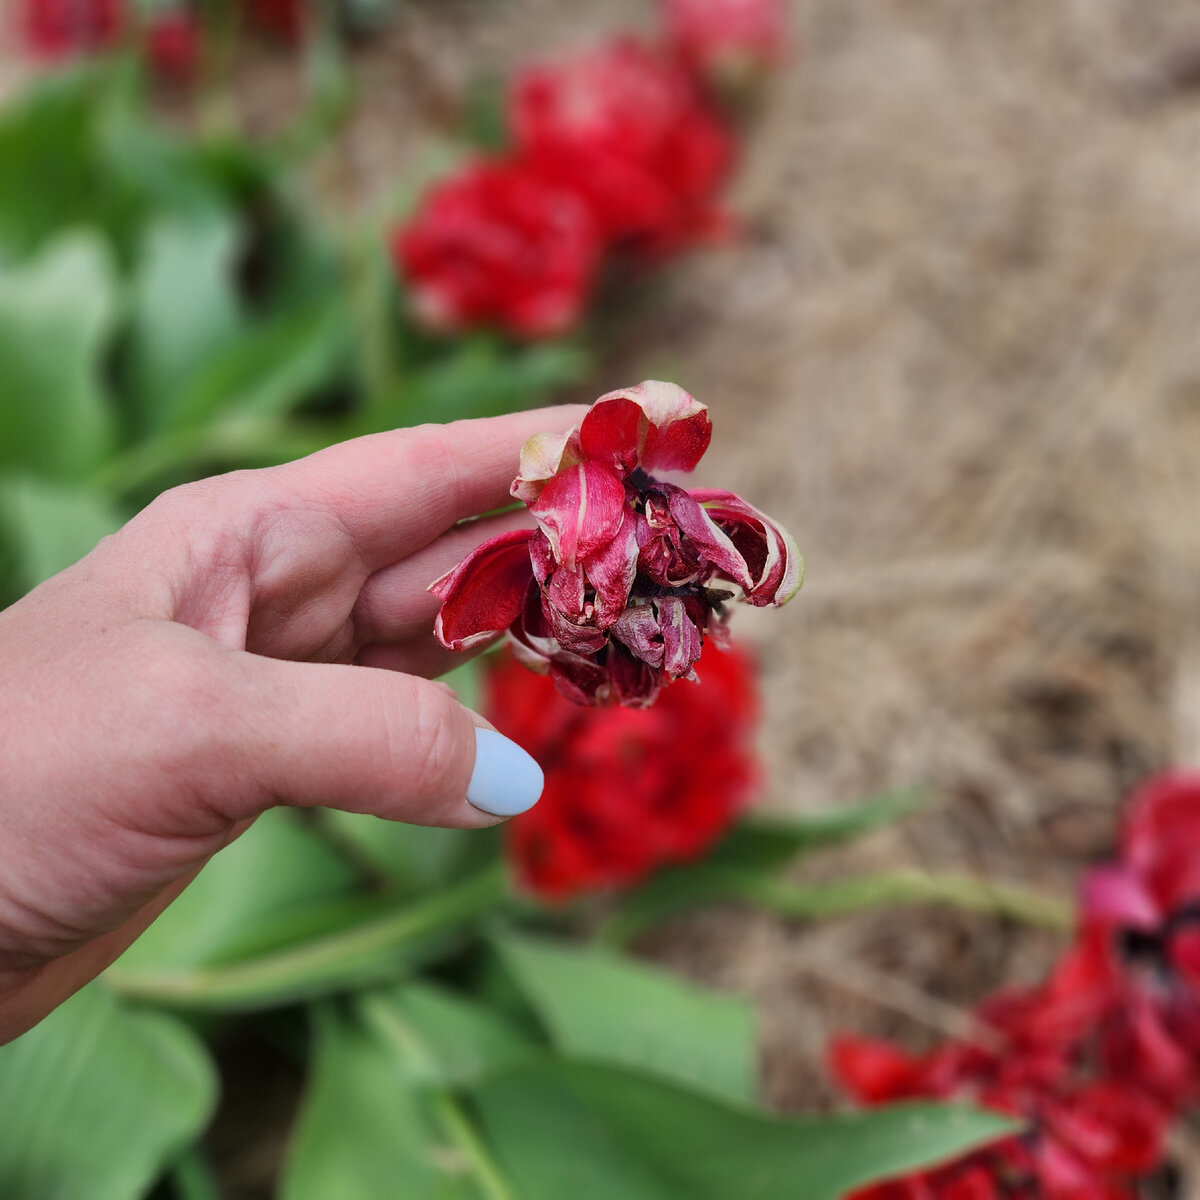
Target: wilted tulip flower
(626,575)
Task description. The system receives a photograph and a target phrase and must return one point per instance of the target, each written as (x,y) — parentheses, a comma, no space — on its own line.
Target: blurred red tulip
(627,791)
(728,42)
(53,29)
(497,245)
(624,126)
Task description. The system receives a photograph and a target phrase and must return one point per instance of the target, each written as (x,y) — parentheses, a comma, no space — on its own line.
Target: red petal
(484,594)
(655,426)
(767,547)
(580,510)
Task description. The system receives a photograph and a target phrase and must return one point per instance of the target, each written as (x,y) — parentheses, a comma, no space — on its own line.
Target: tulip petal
(775,563)
(656,426)
(542,457)
(580,510)
(707,537)
(485,593)
(612,571)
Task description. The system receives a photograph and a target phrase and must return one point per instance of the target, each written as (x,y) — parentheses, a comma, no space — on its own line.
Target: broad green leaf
(445,1038)
(600,1006)
(592,1132)
(97,1100)
(272,367)
(184,309)
(414,858)
(55,315)
(257,883)
(393,940)
(756,848)
(371,1127)
(48,526)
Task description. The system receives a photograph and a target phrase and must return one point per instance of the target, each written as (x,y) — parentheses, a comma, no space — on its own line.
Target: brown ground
(958,354)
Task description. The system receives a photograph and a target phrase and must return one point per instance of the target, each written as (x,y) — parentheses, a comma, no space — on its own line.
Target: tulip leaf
(255,886)
(98,1099)
(341,948)
(56,313)
(47,526)
(377,1119)
(591,1131)
(184,309)
(600,1006)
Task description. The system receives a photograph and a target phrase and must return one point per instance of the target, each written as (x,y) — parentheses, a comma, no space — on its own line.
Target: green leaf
(48,526)
(55,316)
(592,1132)
(364,1131)
(184,309)
(756,848)
(445,1038)
(356,951)
(272,367)
(98,1099)
(600,1006)
(252,888)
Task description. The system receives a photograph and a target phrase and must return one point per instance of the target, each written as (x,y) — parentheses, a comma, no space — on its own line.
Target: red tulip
(497,245)
(624,126)
(627,791)
(728,42)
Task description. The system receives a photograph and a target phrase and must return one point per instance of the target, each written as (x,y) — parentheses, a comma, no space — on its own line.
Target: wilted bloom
(626,575)
(1083,1138)
(1140,941)
(496,244)
(54,29)
(627,791)
(728,42)
(625,127)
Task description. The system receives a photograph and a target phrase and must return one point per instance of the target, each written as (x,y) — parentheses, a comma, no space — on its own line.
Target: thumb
(374,741)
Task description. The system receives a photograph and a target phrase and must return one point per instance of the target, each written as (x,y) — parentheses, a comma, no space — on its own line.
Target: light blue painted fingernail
(506,780)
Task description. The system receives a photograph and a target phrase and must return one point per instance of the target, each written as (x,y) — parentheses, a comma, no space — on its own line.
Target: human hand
(213,659)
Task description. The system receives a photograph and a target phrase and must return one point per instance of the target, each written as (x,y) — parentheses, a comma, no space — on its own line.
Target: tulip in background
(729,43)
(627,790)
(1100,1058)
(626,575)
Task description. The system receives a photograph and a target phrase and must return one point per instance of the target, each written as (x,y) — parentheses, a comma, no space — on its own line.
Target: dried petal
(484,594)
(656,426)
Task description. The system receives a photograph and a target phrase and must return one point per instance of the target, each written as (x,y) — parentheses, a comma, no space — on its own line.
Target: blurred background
(954,347)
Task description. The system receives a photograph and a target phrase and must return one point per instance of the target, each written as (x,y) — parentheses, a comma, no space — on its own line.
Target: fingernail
(506,780)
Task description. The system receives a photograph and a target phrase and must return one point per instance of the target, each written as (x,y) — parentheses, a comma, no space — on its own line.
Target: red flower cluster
(1100,1057)
(625,132)
(626,575)
(627,791)
(54,29)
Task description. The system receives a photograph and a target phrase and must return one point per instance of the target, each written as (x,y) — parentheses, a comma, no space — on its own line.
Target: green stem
(846,896)
(465,1137)
(322,964)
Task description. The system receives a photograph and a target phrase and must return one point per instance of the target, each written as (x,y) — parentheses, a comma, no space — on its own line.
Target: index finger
(395,492)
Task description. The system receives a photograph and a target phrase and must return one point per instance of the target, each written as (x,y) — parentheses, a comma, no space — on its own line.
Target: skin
(256,639)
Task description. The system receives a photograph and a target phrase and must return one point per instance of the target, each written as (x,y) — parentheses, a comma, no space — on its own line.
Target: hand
(260,638)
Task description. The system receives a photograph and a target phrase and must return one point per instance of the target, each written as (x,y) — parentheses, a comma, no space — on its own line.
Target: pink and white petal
(542,457)
(1115,896)
(681,639)
(612,571)
(712,543)
(485,593)
(580,510)
(768,548)
(655,426)
(638,629)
